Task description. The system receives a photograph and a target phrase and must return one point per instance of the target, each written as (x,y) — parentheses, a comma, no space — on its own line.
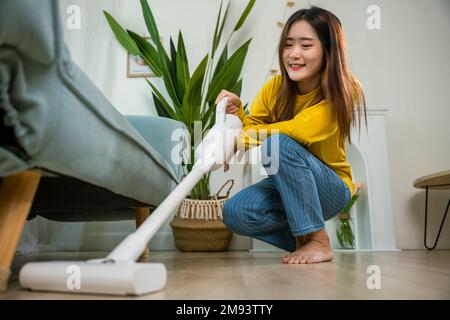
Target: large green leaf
(150,22)
(236,89)
(173,57)
(219,28)
(122,36)
(172,113)
(165,63)
(227,76)
(222,60)
(148,52)
(169,81)
(244,15)
(193,97)
(173,69)
(183,75)
(160,108)
(206,118)
(216,30)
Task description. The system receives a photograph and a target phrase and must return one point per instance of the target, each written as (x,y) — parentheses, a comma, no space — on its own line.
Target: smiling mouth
(296,66)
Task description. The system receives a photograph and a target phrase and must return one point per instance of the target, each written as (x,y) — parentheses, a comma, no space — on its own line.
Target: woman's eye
(288,45)
(306,46)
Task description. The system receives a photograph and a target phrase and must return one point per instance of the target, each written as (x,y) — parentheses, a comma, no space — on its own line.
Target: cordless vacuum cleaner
(118,273)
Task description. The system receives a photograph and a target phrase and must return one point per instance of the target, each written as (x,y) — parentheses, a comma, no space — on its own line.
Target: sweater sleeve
(260,107)
(314,124)
(259,113)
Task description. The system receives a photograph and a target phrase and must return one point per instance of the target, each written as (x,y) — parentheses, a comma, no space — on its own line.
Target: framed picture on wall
(136,66)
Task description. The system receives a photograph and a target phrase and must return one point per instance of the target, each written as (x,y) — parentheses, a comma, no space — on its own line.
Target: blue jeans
(299,195)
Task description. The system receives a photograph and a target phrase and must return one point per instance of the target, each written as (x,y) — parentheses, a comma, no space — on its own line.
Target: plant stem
(345,234)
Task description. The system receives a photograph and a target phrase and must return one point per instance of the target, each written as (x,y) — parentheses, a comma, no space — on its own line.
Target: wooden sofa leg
(141,215)
(16,196)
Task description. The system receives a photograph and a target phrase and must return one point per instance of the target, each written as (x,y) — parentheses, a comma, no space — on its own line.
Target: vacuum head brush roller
(118,273)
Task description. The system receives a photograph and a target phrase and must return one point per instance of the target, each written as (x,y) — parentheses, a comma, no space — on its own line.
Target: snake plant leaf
(244,15)
(148,52)
(150,22)
(222,60)
(182,64)
(236,89)
(216,30)
(165,62)
(227,76)
(173,69)
(206,119)
(219,28)
(193,97)
(160,108)
(122,36)
(173,57)
(173,114)
(168,77)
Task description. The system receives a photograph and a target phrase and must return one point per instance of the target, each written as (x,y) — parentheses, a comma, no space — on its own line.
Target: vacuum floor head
(122,278)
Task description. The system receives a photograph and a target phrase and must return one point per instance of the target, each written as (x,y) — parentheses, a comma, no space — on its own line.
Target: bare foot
(313,248)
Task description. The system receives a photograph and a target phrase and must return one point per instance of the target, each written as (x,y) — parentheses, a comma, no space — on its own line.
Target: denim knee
(279,149)
(231,216)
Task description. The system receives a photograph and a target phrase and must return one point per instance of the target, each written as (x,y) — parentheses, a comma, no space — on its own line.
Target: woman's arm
(260,107)
(316,123)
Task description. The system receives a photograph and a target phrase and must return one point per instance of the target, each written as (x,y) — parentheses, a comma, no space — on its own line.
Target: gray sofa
(58,129)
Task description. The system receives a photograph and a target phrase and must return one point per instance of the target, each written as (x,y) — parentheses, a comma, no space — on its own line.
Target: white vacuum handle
(221,110)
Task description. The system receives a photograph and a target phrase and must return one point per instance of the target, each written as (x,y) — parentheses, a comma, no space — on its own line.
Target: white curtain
(89,46)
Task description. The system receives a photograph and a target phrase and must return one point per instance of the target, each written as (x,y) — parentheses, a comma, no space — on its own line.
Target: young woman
(308,112)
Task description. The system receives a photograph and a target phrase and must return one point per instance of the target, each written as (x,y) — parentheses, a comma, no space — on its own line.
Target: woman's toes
(297,259)
(304,259)
(292,259)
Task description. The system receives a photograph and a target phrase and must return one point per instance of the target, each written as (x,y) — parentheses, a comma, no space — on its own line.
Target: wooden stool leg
(16,196)
(141,215)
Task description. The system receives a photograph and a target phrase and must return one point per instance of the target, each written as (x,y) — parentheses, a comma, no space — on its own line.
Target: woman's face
(303,54)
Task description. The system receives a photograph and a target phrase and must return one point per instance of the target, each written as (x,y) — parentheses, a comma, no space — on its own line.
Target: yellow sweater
(314,126)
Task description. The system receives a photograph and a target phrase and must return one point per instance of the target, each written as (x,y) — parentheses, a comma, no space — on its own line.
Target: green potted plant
(345,227)
(192,95)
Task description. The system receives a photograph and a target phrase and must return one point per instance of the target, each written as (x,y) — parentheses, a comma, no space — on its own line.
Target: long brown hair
(338,85)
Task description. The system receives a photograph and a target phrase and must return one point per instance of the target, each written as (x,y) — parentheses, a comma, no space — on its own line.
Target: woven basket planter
(198,224)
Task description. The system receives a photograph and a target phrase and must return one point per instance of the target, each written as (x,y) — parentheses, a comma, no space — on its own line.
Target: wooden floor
(415,274)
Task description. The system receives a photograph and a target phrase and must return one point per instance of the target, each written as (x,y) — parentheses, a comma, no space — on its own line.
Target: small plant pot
(198,224)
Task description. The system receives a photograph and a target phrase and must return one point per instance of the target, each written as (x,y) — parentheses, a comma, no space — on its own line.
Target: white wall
(403,66)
